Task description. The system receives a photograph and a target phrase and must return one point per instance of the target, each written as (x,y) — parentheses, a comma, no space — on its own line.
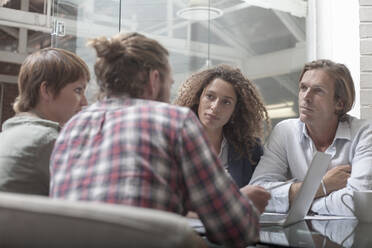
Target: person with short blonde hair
(51,86)
(344,84)
(326,94)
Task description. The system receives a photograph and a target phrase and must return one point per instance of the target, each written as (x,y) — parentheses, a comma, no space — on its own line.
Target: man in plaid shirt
(130,148)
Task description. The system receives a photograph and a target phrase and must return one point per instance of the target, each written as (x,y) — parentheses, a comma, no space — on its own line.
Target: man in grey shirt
(326,94)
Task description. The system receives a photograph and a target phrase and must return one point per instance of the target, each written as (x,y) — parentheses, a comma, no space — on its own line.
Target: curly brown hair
(246,126)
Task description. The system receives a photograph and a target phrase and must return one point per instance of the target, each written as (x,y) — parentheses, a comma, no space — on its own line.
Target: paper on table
(327,217)
(318,217)
(197,225)
(194,222)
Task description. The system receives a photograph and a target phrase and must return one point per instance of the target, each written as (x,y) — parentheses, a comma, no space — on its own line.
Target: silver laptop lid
(310,185)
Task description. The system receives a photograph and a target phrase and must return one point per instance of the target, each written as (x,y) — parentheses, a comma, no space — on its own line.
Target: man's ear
(45,94)
(153,86)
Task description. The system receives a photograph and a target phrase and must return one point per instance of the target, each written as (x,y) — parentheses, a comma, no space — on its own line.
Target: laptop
(305,196)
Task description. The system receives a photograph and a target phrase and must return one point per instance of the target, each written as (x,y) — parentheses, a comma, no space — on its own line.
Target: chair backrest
(27,220)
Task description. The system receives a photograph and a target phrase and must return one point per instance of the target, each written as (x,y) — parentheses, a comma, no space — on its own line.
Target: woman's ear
(45,94)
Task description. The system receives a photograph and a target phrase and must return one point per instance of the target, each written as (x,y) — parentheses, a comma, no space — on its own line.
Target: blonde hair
(124,62)
(344,84)
(247,124)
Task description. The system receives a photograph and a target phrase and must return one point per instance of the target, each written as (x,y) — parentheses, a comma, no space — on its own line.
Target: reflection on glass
(346,233)
(82,20)
(341,232)
(296,235)
(267,44)
(319,233)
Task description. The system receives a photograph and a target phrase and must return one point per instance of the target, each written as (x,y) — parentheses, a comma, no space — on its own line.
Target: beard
(163,94)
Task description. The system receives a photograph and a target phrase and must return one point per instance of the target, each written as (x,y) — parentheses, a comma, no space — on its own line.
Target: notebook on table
(305,196)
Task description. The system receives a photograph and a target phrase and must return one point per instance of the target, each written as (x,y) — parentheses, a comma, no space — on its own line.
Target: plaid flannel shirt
(153,155)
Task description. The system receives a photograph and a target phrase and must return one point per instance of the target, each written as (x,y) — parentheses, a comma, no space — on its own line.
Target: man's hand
(258,195)
(336,178)
(293,190)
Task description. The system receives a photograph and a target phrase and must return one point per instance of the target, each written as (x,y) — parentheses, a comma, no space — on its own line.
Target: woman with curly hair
(233,115)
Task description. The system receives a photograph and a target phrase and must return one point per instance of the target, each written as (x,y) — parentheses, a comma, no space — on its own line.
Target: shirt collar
(224,142)
(343,131)
(303,134)
(223,146)
(223,153)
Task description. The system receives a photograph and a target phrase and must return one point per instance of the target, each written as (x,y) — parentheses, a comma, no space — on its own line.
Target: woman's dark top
(240,168)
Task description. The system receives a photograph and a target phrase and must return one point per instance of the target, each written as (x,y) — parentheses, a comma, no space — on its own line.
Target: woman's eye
(79,90)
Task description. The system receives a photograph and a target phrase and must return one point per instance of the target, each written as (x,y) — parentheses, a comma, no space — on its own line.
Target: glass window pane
(76,21)
(267,44)
(263,38)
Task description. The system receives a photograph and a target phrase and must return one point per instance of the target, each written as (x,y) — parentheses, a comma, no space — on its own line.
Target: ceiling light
(199,11)
(294,7)
(281,110)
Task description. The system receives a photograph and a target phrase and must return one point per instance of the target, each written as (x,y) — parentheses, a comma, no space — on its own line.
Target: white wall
(333,33)
(366,58)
